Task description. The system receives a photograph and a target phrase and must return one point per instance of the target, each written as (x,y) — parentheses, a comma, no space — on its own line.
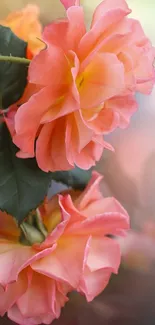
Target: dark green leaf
(13,76)
(76,178)
(23,185)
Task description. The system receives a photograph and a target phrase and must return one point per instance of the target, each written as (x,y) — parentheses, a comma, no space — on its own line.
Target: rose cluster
(81,86)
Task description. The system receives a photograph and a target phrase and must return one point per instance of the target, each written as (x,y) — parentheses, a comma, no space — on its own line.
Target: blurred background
(129,175)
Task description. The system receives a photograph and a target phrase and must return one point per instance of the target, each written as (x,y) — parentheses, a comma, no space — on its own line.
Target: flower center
(33,230)
(79,81)
(52,220)
(36,228)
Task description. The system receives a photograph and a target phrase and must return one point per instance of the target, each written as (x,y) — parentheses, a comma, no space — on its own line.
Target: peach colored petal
(68,207)
(9,258)
(102,205)
(103,253)
(8,227)
(39,288)
(59,292)
(65,263)
(103,258)
(91,193)
(130,79)
(53,67)
(13,265)
(103,20)
(90,154)
(81,147)
(77,27)
(105,122)
(94,282)
(103,78)
(15,315)
(84,133)
(77,135)
(10,118)
(38,254)
(123,107)
(138,36)
(98,266)
(69,100)
(142,53)
(114,41)
(29,91)
(49,298)
(12,293)
(108,5)
(102,225)
(56,33)
(69,3)
(27,121)
(66,34)
(24,155)
(117,111)
(145,80)
(51,151)
(71,138)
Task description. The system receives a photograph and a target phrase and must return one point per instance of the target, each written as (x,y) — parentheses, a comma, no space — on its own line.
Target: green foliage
(23,185)
(13,76)
(76,178)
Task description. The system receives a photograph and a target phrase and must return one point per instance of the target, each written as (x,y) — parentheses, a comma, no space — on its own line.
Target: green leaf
(13,76)
(23,185)
(76,178)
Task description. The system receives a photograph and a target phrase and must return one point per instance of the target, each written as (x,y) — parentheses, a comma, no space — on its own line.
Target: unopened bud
(31,234)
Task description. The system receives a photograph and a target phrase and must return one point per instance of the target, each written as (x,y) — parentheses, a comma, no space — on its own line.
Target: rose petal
(9,258)
(103,78)
(12,293)
(91,193)
(51,151)
(66,262)
(69,3)
(103,253)
(93,283)
(109,223)
(109,5)
(15,315)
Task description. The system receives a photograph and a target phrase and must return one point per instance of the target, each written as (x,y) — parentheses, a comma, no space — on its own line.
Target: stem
(14,59)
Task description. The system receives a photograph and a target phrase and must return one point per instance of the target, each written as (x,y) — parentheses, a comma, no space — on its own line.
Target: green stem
(14,59)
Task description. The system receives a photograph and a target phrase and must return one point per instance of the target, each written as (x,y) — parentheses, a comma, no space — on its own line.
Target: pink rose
(75,253)
(85,85)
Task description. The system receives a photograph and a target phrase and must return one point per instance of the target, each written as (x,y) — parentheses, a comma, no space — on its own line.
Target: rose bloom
(84,86)
(74,252)
(25,24)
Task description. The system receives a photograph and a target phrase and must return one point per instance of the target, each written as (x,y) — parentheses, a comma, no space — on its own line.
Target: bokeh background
(129,175)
